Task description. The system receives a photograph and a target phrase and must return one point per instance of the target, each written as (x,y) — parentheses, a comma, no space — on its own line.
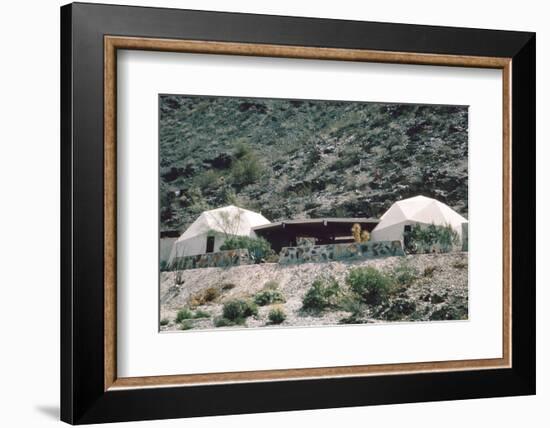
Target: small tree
(228,222)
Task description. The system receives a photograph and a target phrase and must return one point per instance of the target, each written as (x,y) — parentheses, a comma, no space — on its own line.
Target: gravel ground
(439,291)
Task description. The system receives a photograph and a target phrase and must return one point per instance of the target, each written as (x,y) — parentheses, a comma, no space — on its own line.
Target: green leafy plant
(268,297)
(324,293)
(238,310)
(183,314)
(422,239)
(371,285)
(276,315)
(246,168)
(164,321)
(201,314)
(223,322)
(404,273)
(258,248)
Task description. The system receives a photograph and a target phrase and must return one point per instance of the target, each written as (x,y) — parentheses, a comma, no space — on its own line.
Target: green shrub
(239,310)
(186,325)
(324,293)
(247,168)
(223,322)
(371,285)
(268,297)
(208,180)
(420,239)
(164,321)
(258,248)
(404,274)
(276,316)
(201,314)
(183,314)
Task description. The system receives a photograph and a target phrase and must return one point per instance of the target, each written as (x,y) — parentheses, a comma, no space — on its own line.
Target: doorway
(210,244)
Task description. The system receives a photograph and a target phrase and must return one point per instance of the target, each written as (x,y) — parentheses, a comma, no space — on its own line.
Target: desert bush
(371,285)
(184,314)
(324,293)
(276,315)
(404,273)
(186,325)
(429,271)
(208,180)
(239,310)
(258,248)
(223,322)
(201,314)
(164,321)
(419,239)
(247,168)
(227,286)
(205,296)
(268,297)
(459,265)
(398,310)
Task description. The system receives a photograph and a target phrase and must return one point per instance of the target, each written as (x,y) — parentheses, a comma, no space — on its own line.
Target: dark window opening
(407,235)
(210,244)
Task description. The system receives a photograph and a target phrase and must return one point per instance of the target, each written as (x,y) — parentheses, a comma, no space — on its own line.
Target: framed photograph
(265,213)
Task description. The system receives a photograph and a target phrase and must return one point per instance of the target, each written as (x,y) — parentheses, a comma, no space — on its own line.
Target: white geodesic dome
(417,210)
(218,223)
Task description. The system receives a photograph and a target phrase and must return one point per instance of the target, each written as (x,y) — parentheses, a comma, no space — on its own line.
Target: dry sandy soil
(439,291)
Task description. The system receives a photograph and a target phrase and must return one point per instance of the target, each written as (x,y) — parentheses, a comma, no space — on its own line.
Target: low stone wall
(331,252)
(219,259)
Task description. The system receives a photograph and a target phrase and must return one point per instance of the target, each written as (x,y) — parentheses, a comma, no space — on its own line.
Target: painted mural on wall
(218,259)
(331,252)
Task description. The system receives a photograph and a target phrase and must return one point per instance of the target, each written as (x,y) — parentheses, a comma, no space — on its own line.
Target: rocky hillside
(307,159)
(428,287)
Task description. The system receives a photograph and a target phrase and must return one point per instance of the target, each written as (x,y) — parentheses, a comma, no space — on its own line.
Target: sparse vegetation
(201,314)
(164,321)
(184,314)
(424,239)
(276,315)
(211,145)
(268,297)
(258,248)
(429,271)
(238,310)
(224,322)
(371,285)
(323,293)
(186,325)
(404,273)
(206,296)
(460,265)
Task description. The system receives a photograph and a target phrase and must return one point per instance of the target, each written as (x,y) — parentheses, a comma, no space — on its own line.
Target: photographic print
(296,213)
